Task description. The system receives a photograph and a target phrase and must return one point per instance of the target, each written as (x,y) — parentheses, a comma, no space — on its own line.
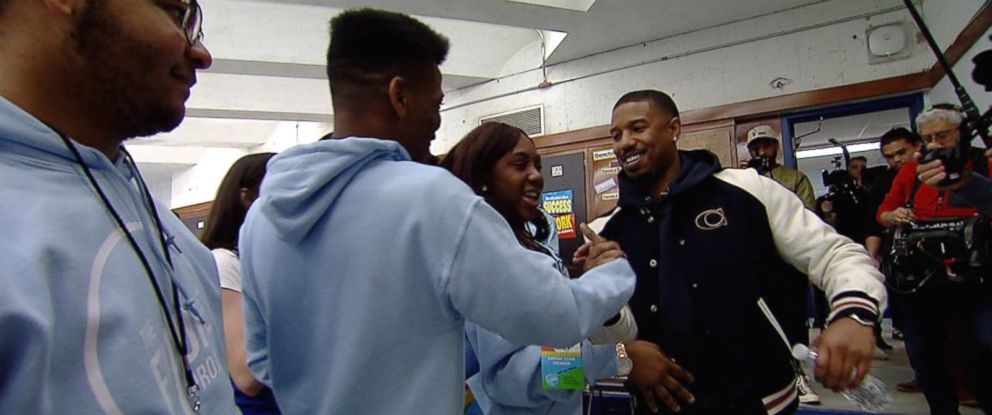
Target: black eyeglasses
(193,22)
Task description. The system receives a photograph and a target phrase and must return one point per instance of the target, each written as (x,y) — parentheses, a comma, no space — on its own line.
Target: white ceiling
(268,78)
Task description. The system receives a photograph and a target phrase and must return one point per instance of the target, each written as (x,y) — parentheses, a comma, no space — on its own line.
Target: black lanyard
(178,334)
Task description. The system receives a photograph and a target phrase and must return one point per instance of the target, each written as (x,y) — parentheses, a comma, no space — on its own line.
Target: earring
(485,188)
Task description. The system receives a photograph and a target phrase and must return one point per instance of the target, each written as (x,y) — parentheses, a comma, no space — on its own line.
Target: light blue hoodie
(509,377)
(506,378)
(360,268)
(81,331)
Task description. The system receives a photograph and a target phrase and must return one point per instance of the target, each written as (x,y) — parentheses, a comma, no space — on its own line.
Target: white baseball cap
(762,132)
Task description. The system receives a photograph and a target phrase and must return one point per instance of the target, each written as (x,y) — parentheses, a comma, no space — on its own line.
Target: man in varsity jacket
(710,248)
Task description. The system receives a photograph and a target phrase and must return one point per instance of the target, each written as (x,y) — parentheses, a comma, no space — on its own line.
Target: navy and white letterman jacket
(707,250)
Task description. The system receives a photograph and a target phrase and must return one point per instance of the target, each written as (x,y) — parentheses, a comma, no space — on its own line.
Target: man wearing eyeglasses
(926,312)
(108,304)
(939,128)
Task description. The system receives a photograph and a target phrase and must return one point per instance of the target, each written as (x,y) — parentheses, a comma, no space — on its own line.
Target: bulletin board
(603,187)
(718,141)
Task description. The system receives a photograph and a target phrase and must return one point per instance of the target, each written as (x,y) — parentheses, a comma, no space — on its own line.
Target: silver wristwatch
(624,364)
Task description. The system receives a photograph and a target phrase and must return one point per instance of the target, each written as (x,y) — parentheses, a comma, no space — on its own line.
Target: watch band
(862,321)
(624,364)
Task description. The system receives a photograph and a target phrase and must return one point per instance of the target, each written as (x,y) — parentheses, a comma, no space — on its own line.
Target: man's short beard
(108,78)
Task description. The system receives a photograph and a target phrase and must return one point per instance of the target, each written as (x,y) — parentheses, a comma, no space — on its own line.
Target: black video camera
(841,189)
(954,159)
(760,163)
(955,248)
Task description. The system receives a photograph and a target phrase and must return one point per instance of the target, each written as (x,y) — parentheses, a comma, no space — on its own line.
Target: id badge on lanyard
(561,369)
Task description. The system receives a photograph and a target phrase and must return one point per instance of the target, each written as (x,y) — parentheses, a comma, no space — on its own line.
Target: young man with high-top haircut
(361,264)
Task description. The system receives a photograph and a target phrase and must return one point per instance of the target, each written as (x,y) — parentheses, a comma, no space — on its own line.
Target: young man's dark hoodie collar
(697,165)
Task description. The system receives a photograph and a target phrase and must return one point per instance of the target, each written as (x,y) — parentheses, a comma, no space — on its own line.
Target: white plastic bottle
(871,395)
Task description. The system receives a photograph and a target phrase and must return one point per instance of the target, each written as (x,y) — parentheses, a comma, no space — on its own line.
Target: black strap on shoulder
(912,192)
(979,162)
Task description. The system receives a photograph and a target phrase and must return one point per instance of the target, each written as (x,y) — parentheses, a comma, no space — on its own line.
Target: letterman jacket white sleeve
(833,262)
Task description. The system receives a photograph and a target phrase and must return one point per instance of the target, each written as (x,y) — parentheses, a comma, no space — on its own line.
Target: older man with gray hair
(927,309)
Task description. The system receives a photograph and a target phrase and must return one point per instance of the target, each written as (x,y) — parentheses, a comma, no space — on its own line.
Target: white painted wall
(944,92)
(813,46)
(199,183)
(162,189)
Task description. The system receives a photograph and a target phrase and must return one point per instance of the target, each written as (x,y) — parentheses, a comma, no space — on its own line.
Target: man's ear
(398,91)
(676,127)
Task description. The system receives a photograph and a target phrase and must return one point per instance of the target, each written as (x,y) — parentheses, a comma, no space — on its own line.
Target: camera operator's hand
(899,216)
(933,172)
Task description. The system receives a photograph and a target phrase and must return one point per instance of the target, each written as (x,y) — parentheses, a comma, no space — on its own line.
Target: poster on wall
(559,204)
(604,181)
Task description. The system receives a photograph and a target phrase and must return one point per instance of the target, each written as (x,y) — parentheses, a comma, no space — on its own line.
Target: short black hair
(653,97)
(862,158)
(369,47)
(900,133)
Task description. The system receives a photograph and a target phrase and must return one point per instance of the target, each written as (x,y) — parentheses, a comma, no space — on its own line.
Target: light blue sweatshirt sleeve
(256,337)
(520,295)
(510,375)
(25,344)
(471,361)
(598,361)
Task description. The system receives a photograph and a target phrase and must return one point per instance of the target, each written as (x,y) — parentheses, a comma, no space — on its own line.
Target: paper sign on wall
(603,155)
(606,185)
(559,204)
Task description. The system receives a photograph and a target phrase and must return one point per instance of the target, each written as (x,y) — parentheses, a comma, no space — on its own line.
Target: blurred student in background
(236,193)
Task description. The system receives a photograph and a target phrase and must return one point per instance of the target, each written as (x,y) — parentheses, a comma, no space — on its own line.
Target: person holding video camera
(912,205)
(763,144)
(974,189)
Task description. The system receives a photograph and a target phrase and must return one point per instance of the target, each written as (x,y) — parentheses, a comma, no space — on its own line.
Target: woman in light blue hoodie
(501,164)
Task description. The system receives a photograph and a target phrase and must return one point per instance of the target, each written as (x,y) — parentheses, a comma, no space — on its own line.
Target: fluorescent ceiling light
(832,151)
(577,5)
